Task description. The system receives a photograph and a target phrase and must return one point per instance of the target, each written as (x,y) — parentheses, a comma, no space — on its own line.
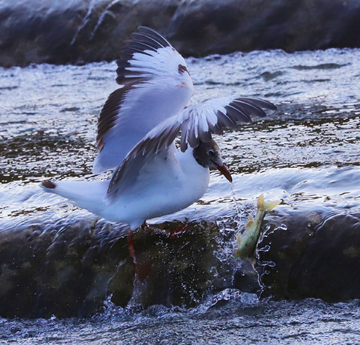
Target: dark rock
(289,235)
(69,267)
(84,31)
(328,268)
(246,278)
(257,25)
(73,31)
(316,256)
(46,269)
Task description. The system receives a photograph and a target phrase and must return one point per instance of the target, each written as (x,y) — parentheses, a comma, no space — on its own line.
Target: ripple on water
(233,319)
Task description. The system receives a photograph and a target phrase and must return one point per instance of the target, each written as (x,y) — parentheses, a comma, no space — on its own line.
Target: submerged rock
(312,252)
(49,270)
(70,266)
(84,31)
(328,269)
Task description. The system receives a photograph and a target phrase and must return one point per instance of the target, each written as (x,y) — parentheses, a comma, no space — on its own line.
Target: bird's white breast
(167,186)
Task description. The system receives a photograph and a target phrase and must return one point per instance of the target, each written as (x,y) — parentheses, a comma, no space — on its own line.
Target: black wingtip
(48,184)
(143,41)
(272,106)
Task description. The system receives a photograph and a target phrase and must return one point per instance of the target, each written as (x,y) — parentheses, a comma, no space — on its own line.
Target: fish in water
(247,240)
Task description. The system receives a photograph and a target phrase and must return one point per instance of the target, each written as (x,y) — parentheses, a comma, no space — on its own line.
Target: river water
(306,152)
(237,319)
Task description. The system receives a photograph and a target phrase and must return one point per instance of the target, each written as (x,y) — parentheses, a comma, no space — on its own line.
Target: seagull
(137,131)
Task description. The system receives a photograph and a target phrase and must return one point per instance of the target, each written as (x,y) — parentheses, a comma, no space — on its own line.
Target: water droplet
(264,249)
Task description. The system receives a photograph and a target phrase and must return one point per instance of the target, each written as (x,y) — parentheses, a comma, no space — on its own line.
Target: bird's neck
(188,163)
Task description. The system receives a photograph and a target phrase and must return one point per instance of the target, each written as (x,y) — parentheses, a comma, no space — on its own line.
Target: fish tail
(266,206)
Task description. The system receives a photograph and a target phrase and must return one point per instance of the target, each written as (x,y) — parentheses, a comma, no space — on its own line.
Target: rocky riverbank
(77,32)
(69,267)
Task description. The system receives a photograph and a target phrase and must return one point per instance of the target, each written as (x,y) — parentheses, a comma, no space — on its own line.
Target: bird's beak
(222,168)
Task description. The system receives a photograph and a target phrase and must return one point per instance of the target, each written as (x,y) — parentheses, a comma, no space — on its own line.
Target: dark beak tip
(224,171)
(228,177)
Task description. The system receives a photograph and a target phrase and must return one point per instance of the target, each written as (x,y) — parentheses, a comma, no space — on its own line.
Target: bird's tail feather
(88,195)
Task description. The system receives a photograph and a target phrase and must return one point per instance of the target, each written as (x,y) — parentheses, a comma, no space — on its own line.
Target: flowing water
(304,153)
(228,318)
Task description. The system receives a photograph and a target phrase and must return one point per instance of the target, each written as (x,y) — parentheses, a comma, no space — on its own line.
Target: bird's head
(208,155)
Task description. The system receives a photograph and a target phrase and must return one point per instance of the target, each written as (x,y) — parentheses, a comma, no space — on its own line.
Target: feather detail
(195,123)
(157,86)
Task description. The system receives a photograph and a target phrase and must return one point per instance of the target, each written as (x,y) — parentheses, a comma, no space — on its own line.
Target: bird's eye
(211,153)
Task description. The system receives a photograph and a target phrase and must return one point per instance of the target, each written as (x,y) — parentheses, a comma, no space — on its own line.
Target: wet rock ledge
(68,267)
(80,31)
(317,256)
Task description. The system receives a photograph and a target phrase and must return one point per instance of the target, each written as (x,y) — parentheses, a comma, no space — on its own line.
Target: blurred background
(81,31)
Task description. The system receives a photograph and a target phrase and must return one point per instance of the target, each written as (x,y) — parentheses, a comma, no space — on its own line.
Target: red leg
(131,245)
(178,231)
(141,269)
(143,225)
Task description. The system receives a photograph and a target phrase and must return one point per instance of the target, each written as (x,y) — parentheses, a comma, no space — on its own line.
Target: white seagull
(136,136)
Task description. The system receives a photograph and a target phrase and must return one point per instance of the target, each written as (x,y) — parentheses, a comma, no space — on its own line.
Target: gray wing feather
(157,86)
(229,113)
(195,123)
(127,172)
(258,102)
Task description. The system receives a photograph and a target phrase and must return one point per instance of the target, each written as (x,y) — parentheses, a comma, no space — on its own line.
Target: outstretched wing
(157,85)
(195,123)
(199,122)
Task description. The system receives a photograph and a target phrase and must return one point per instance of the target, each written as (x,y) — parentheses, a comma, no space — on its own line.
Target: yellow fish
(247,240)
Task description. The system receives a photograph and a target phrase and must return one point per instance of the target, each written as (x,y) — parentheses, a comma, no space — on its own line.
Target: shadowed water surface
(306,152)
(228,318)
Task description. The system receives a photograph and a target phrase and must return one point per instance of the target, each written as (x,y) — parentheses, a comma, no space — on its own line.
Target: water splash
(102,17)
(85,20)
(264,249)
(227,295)
(140,289)
(229,226)
(239,214)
